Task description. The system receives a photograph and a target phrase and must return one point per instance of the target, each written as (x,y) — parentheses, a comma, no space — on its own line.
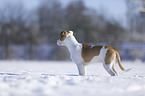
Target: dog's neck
(72,43)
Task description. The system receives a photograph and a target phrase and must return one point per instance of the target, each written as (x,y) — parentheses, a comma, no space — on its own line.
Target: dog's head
(64,35)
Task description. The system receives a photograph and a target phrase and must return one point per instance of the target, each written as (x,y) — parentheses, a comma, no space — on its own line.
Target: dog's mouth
(59,43)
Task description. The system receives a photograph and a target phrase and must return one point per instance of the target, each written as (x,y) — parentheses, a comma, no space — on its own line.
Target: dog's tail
(119,62)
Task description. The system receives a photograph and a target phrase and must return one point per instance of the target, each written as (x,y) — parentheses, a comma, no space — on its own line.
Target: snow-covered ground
(49,78)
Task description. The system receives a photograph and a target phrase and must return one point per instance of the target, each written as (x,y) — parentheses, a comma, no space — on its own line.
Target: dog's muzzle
(59,42)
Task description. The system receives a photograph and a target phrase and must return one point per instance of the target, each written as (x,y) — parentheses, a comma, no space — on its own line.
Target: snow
(53,78)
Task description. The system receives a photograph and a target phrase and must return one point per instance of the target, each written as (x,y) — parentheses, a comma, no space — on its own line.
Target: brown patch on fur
(108,47)
(110,55)
(89,52)
(63,35)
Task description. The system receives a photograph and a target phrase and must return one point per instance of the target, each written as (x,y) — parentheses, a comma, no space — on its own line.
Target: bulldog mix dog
(83,54)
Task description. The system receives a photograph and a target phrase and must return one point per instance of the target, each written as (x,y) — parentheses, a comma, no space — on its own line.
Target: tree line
(43,24)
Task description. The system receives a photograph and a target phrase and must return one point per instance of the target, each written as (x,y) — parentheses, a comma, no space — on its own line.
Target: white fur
(75,50)
(108,68)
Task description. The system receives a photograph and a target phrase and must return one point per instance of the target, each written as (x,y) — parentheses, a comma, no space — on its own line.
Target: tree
(44,24)
(50,19)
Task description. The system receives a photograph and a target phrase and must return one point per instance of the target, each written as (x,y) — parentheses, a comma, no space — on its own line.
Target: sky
(114,8)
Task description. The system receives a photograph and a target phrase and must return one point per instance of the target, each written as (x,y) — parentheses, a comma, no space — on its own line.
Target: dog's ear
(71,32)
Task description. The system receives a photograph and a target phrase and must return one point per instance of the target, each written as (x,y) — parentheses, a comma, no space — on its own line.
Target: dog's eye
(64,33)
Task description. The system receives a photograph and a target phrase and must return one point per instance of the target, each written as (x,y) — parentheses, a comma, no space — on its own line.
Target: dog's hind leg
(114,70)
(81,69)
(109,61)
(109,69)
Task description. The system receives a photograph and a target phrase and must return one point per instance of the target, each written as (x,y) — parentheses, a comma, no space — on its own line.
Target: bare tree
(50,20)
(43,25)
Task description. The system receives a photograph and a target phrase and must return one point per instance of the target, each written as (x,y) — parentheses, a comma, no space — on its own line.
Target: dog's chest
(75,54)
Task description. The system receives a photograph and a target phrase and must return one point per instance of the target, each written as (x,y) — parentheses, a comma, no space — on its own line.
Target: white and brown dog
(83,54)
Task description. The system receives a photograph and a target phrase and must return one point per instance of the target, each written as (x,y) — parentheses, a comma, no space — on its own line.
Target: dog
(82,54)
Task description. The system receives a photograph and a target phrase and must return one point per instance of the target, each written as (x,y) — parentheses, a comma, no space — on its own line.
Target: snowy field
(48,78)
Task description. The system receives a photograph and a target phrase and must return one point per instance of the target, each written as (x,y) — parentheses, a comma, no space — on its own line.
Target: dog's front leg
(81,69)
